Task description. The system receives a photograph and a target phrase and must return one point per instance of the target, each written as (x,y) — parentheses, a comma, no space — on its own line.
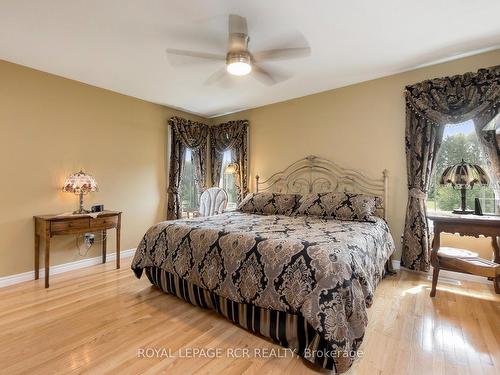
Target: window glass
(188,191)
(459,142)
(228,180)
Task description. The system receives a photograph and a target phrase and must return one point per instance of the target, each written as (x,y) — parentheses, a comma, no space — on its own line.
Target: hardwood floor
(96,320)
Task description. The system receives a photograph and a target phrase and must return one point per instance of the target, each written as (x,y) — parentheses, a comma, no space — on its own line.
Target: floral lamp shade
(80,183)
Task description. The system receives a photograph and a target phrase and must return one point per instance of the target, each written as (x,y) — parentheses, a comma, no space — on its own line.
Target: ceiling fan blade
(262,75)
(217,76)
(196,54)
(269,75)
(237,25)
(282,54)
(222,79)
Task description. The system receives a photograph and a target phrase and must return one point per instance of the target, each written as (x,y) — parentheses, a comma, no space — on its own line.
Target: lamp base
(463,212)
(463,206)
(81,210)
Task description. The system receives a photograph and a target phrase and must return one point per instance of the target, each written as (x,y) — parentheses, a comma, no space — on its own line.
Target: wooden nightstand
(47,226)
(460,260)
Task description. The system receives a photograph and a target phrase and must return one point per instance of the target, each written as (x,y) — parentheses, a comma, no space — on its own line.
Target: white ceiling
(120,45)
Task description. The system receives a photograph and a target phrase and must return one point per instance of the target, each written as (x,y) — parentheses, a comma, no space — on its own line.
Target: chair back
(213,201)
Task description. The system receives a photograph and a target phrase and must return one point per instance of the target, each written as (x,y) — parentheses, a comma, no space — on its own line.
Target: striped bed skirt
(288,330)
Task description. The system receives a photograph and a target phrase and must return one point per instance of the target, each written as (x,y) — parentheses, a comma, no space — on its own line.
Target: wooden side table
(47,226)
(464,261)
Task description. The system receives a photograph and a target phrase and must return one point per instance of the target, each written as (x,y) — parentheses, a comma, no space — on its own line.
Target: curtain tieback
(418,193)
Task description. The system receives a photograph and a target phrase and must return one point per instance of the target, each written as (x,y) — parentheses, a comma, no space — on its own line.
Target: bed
(302,281)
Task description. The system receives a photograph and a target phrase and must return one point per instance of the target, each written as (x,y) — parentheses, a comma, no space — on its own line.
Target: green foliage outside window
(228,181)
(454,148)
(189,192)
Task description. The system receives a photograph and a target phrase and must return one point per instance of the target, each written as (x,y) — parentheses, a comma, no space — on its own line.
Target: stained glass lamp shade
(80,183)
(464,175)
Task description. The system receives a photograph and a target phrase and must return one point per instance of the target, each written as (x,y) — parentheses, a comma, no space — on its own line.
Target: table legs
(47,259)
(436,243)
(37,256)
(41,229)
(103,234)
(496,249)
(496,259)
(435,276)
(118,245)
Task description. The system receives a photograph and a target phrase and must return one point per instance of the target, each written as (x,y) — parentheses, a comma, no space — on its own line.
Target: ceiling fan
(239,61)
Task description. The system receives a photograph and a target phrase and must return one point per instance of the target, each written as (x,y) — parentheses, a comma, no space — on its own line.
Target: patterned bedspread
(325,270)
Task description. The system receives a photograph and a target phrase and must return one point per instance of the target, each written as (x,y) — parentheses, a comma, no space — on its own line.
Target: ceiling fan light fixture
(239,68)
(239,60)
(238,64)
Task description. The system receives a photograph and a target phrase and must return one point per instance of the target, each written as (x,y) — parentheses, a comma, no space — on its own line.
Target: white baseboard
(60,268)
(396,264)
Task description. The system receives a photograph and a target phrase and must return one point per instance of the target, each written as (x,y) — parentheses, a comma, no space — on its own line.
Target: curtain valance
(228,135)
(458,98)
(193,134)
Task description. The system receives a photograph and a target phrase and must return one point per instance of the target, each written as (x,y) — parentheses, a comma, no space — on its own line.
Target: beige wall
(360,126)
(51,127)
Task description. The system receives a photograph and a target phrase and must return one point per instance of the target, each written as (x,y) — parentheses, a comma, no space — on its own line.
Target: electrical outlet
(89,239)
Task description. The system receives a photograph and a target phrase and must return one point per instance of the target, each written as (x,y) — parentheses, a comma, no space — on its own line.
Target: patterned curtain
(185,134)
(177,155)
(232,136)
(489,144)
(422,142)
(430,105)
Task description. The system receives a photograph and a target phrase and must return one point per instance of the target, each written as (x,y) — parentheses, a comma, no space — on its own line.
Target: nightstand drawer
(104,222)
(69,225)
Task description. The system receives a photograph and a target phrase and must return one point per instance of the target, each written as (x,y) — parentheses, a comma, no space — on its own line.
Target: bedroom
(98,87)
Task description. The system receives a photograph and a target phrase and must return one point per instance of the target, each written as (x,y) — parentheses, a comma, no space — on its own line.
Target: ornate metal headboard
(315,175)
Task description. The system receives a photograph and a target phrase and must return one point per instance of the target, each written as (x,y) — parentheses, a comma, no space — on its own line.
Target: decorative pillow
(269,203)
(341,206)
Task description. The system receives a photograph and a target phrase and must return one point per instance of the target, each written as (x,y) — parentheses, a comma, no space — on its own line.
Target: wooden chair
(465,261)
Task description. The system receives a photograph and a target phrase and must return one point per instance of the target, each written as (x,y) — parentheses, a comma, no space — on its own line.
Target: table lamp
(80,183)
(232,168)
(464,175)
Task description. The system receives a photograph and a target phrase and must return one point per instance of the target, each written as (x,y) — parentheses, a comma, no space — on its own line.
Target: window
(228,180)
(459,142)
(188,191)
